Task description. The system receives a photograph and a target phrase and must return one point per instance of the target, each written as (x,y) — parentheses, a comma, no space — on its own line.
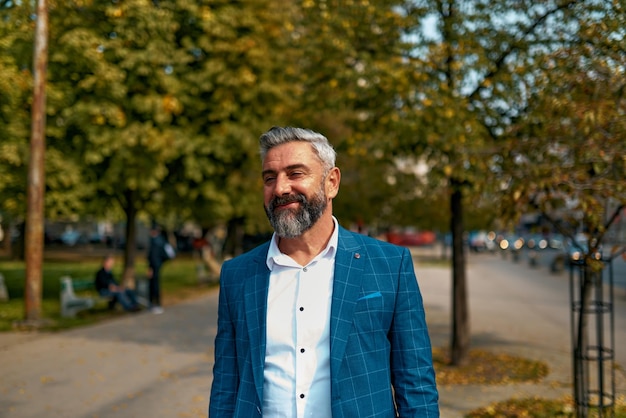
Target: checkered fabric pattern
(381,361)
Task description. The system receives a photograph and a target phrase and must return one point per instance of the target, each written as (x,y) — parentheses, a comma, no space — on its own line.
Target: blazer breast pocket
(370,302)
(371,314)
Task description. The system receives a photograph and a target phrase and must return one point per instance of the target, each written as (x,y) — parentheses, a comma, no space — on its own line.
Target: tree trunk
(234,237)
(459,352)
(36,172)
(130,250)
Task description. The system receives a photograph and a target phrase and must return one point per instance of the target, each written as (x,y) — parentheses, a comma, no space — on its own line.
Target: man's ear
(332,182)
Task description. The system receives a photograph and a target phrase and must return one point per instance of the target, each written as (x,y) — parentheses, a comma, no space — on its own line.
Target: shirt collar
(274,256)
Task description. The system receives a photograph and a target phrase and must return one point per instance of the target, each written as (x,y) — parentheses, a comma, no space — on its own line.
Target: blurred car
(481,241)
(71,237)
(555,241)
(96,238)
(411,238)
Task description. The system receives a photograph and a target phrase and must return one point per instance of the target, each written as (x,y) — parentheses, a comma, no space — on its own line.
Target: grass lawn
(178,281)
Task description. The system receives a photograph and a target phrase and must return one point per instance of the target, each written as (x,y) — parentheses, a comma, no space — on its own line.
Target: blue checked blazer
(381,358)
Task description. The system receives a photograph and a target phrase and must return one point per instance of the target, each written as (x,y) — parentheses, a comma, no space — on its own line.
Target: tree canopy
(567,154)
(438,108)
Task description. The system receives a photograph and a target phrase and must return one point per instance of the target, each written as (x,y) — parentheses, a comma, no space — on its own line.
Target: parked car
(481,241)
(411,237)
(72,237)
(555,241)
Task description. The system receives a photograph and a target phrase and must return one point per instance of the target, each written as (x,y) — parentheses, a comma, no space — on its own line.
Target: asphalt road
(521,310)
(160,365)
(548,295)
(545,257)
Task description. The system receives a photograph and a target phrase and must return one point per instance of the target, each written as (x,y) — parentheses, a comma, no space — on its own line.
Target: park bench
(71,303)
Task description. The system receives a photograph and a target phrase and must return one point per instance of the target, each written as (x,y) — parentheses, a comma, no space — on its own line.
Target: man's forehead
(291,153)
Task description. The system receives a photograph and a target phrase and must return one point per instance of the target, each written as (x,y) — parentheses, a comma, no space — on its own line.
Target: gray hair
(282,135)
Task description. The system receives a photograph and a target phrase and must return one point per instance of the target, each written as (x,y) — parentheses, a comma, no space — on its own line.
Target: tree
(344,63)
(110,71)
(36,172)
(567,159)
(472,70)
(232,90)
(160,104)
(156,107)
(61,198)
(15,93)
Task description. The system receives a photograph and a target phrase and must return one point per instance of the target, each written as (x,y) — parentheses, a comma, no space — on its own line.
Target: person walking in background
(107,286)
(319,321)
(158,253)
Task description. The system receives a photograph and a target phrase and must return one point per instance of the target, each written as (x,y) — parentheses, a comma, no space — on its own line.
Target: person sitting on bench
(107,286)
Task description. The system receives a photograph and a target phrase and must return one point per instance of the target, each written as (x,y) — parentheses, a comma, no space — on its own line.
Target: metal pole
(594,389)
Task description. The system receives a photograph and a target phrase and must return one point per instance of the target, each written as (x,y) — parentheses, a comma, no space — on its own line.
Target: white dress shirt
(297,353)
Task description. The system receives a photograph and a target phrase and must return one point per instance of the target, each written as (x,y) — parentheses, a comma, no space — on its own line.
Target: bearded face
(291,223)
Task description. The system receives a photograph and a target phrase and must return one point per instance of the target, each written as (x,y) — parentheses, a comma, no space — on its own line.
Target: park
(447,116)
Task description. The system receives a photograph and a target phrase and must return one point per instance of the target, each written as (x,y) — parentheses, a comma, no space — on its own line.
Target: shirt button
(302,350)
(305,269)
(302,396)
(301,308)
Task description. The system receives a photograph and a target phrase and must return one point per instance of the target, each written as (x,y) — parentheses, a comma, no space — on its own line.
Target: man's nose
(282,186)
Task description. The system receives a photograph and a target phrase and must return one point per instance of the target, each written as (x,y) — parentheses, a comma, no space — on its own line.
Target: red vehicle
(411,238)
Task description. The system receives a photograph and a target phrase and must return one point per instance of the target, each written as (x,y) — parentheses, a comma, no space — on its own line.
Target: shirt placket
(303,342)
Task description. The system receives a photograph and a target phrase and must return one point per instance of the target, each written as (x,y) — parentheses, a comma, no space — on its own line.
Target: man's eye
(268,180)
(296,174)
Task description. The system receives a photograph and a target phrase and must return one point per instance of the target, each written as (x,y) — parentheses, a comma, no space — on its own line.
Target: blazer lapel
(346,286)
(255,305)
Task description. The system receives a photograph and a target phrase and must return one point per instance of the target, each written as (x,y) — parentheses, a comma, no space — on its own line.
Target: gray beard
(293,223)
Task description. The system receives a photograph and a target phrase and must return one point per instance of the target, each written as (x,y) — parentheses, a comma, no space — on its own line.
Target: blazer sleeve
(225,370)
(412,373)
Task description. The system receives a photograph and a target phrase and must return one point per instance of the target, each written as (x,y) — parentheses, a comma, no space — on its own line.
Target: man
(157,255)
(107,286)
(320,321)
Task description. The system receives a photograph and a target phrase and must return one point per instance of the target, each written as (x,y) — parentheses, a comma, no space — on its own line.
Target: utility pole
(33,239)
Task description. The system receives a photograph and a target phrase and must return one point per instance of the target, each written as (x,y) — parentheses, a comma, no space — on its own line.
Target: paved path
(142,365)
(160,365)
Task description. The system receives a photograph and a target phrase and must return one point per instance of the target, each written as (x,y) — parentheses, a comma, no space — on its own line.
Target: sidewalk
(160,365)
